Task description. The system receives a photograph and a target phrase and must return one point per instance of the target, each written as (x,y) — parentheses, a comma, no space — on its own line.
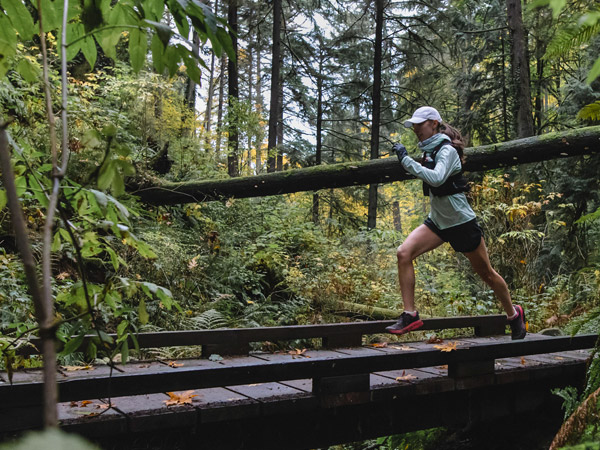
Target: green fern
(570,38)
(590,113)
(209,320)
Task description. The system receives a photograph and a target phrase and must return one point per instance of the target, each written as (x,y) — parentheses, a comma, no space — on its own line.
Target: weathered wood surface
(517,383)
(279,367)
(581,141)
(342,334)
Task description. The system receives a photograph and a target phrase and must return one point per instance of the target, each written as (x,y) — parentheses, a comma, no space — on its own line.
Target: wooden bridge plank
(149,412)
(277,398)
(264,371)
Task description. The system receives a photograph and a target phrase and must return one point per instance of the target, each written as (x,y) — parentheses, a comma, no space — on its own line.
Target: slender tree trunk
(43,307)
(397,216)
(319,149)
(220,107)
(376,115)
(275,74)
(504,91)
(210,93)
(280,126)
(520,69)
(190,92)
(259,104)
(232,72)
(539,95)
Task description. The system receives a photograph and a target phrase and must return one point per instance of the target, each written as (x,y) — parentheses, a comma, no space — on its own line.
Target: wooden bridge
(341,392)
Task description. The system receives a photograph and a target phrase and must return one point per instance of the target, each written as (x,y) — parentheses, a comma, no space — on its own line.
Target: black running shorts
(463,238)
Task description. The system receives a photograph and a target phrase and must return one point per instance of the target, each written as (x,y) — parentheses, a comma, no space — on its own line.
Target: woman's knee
(404,255)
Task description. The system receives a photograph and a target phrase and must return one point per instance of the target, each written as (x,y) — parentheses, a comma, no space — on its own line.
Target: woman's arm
(447,163)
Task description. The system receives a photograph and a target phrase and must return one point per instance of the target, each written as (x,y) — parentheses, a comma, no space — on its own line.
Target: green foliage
(104,23)
(418,440)
(50,439)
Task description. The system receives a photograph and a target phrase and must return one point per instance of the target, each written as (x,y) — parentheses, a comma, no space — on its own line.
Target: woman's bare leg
(419,241)
(480,261)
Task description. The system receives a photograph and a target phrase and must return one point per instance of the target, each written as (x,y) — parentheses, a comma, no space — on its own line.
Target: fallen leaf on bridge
(404,348)
(447,347)
(406,377)
(82,404)
(180,399)
(379,344)
(75,368)
(523,361)
(434,340)
(174,364)
(297,353)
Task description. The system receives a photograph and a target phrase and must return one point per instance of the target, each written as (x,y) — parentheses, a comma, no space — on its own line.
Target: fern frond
(210,319)
(590,113)
(570,38)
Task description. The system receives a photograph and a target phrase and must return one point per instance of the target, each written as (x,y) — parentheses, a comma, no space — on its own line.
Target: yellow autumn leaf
(180,399)
(447,347)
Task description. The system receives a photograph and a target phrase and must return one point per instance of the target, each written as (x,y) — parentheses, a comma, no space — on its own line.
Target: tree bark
(550,146)
(376,114)
(43,310)
(397,216)
(232,74)
(220,107)
(520,69)
(275,74)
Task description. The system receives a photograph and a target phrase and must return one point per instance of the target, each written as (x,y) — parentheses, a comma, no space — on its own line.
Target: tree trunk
(280,126)
(376,114)
(43,308)
(220,107)
(259,104)
(232,74)
(190,92)
(319,137)
(504,91)
(581,141)
(210,94)
(397,216)
(520,69)
(275,74)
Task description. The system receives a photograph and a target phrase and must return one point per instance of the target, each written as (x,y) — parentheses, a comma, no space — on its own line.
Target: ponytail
(456,139)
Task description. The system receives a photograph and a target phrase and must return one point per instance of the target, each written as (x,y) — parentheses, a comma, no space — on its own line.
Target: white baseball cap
(422,114)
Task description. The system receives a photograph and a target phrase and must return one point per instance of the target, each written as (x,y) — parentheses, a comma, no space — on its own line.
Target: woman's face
(425,130)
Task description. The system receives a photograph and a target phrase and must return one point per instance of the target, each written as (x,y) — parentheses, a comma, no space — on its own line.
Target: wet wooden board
(279,367)
(277,398)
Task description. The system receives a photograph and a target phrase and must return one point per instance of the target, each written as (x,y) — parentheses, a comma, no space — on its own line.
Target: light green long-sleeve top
(448,210)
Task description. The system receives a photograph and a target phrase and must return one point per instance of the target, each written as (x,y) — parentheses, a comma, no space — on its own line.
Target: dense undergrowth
(264,261)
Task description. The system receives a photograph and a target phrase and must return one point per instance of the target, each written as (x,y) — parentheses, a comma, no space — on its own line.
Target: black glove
(400,151)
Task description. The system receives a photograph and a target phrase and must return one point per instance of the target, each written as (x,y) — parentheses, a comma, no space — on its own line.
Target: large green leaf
(20,17)
(138,46)
(74,31)
(3,199)
(8,42)
(52,11)
(154,9)
(158,50)
(163,31)
(594,72)
(108,39)
(88,47)
(29,69)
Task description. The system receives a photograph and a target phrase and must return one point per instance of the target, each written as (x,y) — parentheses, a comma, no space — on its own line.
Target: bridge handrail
(335,334)
(207,374)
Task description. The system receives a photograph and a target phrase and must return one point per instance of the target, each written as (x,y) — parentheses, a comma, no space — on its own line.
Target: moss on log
(550,146)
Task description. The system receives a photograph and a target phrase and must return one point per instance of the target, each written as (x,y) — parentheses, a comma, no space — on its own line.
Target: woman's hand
(400,151)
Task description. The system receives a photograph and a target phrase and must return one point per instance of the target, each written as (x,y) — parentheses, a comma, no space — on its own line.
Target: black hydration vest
(453,185)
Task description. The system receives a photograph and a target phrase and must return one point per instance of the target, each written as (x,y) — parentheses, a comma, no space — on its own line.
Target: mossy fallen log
(582,141)
(371,312)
